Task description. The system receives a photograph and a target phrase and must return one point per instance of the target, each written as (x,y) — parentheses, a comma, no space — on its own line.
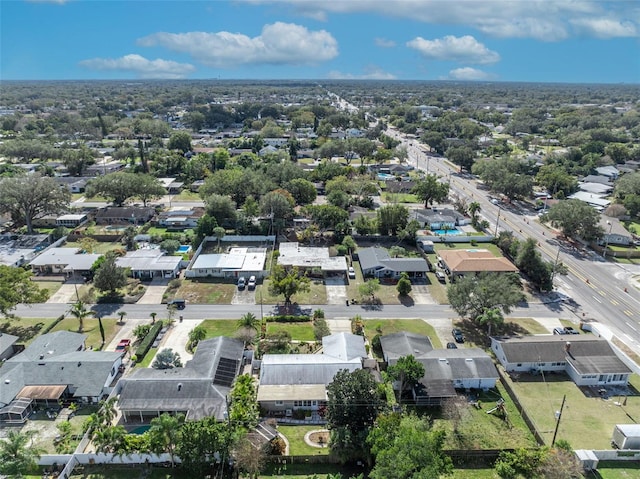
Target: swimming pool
(185,248)
(452,232)
(140,429)
(386,176)
(115,228)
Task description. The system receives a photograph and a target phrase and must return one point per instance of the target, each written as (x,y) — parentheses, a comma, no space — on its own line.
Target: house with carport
(446,370)
(149,263)
(62,260)
(589,361)
(315,260)
(238,261)
(299,381)
(197,390)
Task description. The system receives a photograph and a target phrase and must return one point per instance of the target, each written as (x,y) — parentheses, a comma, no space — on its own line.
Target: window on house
(279,403)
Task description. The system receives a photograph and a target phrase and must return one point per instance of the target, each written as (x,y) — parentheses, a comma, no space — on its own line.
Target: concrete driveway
(244,296)
(420,294)
(67,292)
(336,290)
(154,292)
(177,336)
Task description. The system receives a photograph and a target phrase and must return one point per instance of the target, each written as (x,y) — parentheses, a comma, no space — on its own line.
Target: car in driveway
(452,346)
(242,283)
(441,277)
(457,335)
(352,273)
(251,285)
(123,345)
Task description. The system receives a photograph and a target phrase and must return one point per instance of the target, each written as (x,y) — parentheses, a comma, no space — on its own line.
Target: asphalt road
(597,286)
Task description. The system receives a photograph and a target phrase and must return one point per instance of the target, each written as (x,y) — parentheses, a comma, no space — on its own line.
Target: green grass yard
(101,247)
(391,326)
(298,331)
(91,329)
(27,329)
(297,445)
(317,294)
(206,290)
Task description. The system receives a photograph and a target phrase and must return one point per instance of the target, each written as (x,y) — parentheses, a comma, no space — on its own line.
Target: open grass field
(297,446)
(399,198)
(91,329)
(206,290)
(617,470)
(587,419)
(317,294)
(220,327)
(390,326)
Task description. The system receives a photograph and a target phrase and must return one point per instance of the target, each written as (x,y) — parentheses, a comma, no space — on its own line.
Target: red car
(123,345)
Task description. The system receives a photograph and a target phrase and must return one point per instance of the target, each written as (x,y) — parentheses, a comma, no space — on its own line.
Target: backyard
(297,445)
(587,418)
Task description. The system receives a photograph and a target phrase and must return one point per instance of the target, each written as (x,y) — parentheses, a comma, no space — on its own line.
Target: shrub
(288,318)
(52,325)
(148,340)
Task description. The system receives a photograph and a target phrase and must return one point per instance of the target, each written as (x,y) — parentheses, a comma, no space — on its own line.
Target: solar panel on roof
(226,372)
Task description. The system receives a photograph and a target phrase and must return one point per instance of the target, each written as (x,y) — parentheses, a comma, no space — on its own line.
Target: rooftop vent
(179,386)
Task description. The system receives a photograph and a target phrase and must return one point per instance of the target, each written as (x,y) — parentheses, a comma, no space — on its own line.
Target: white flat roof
(238,259)
(292,254)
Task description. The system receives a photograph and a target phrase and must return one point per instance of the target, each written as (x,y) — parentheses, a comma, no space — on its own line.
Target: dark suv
(178,303)
(457,335)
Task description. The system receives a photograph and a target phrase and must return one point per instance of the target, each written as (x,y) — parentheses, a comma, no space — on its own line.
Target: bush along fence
(148,340)
(528,421)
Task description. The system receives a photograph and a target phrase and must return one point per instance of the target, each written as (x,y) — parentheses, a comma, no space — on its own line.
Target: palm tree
(153,317)
(491,317)
(122,314)
(219,233)
(164,434)
(110,439)
(197,334)
(250,321)
(474,209)
(106,411)
(17,455)
(80,312)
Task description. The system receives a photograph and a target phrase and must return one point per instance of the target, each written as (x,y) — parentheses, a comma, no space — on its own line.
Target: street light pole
(498,220)
(606,240)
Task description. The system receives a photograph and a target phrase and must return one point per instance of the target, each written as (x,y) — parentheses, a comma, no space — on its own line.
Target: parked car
(251,285)
(452,346)
(178,303)
(242,283)
(352,272)
(123,345)
(457,335)
(441,277)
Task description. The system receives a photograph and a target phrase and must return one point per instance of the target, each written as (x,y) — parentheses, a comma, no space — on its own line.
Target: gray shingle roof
(195,389)
(402,344)
(7,341)
(371,258)
(345,346)
(303,368)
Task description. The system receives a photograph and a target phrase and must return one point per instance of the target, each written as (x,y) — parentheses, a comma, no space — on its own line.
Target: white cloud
(605,27)
(141,66)
(546,20)
(385,43)
(460,49)
(371,73)
(468,74)
(279,43)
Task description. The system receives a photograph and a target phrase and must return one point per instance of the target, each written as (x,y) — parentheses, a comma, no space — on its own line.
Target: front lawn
(27,329)
(206,291)
(51,286)
(587,419)
(317,294)
(298,331)
(391,326)
(399,198)
(91,329)
(220,327)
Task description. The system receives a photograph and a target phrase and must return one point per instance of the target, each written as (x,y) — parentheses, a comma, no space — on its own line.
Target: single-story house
(299,381)
(438,218)
(19,250)
(124,215)
(376,262)
(310,258)
(588,361)
(63,260)
(180,218)
(237,262)
(595,188)
(604,180)
(172,185)
(57,366)
(614,232)
(74,184)
(72,220)
(445,369)
(592,199)
(399,186)
(150,263)
(197,390)
(104,167)
(474,261)
(608,171)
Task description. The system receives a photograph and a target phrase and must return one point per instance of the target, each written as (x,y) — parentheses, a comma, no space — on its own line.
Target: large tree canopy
(575,218)
(16,287)
(473,296)
(27,197)
(430,189)
(119,187)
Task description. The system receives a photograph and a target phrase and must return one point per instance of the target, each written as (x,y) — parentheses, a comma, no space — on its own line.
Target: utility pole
(498,220)
(555,266)
(559,414)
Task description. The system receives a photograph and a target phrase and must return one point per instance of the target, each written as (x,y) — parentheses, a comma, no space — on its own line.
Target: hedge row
(148,340)
(52,325)
(288,318)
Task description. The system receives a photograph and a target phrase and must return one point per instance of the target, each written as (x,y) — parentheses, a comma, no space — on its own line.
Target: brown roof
(51,393)
(475,260)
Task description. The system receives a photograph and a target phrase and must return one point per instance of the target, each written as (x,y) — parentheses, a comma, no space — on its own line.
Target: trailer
(626,436)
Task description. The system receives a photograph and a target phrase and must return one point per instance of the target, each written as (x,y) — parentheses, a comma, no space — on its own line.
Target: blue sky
(583,41)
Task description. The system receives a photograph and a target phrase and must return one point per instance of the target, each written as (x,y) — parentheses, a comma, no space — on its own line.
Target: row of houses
(57,367)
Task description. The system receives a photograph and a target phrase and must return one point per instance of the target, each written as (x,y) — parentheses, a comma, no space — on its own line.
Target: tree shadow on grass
(406,301)
(23,332)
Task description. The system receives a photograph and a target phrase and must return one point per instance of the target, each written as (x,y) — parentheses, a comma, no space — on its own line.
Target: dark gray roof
(371,258)
(198,389)
(587,354)
(7,341)
(344,346)
(453,364)
(85,372)
(401,344)
(605,180)
(279,369)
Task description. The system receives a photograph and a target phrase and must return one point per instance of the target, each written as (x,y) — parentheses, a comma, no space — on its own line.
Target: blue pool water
(185,248)
(385,176)
(452,232)
(140,429)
